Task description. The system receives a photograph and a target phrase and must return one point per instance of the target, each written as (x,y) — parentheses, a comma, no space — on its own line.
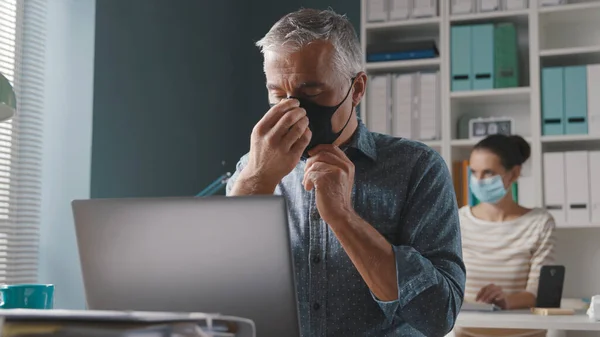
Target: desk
(524,319)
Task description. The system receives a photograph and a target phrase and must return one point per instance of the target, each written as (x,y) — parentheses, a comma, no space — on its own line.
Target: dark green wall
(178,86)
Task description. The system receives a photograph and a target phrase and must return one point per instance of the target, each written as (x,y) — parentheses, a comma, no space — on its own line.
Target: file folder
(553,116)
(399,9)
(403,93)
(511,5)
(424,8)
(460,54)
(462,6)
(377,10)
(506,58)
(593,95)
(379,104)
(554,185)
(488,5)
(578,192)
(594,168)
(429,106)
(576,111)
(482,44)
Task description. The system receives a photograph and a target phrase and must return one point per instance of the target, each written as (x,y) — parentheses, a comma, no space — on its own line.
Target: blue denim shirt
(404,190)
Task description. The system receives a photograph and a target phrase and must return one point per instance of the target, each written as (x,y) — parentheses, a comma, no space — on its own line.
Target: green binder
(506,58)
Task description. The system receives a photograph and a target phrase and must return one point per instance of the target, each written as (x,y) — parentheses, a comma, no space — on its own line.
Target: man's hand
(492,294)
(276,145)
(331,173)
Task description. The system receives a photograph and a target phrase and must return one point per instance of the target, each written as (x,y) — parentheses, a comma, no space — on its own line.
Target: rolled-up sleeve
(429,266)
(238,168)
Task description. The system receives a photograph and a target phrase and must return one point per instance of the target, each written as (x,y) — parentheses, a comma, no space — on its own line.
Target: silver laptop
(228,255)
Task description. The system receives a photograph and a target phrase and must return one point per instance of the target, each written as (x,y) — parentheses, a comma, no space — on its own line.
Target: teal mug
(26,296)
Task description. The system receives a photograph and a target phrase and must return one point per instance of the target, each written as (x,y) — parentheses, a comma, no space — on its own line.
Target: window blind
(22,61)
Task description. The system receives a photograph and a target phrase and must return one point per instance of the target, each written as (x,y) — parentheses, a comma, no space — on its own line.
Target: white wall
(67,142)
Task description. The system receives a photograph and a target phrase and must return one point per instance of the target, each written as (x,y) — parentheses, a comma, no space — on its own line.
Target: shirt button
(316,259)
(316,306)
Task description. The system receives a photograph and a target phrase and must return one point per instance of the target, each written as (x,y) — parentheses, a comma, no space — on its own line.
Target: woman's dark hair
(512,150)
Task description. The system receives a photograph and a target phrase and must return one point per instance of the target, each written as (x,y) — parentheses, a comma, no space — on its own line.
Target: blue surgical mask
(488,190)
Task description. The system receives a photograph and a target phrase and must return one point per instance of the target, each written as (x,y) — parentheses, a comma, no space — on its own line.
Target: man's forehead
(314,58)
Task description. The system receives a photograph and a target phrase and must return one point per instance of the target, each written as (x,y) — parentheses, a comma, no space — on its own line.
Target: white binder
(377,10)
(593,87)
(578,191)
(402,105)
(512,5)
(554,185)
(488,5)
(400,9)
(378,104)
(429,106)
(552,2)
(594,168)
(462,6)
(424,8)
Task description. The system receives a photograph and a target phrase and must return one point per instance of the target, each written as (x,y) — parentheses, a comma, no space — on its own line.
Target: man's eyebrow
(312,85)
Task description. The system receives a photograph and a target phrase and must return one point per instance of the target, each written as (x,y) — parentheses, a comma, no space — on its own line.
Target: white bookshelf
(548,36)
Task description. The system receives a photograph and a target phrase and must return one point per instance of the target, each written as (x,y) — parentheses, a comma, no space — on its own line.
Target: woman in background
(504,244)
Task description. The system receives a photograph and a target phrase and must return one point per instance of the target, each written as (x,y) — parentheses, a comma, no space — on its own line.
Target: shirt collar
(362,142)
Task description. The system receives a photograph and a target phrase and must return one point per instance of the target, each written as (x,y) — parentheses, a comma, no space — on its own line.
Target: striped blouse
(508,254)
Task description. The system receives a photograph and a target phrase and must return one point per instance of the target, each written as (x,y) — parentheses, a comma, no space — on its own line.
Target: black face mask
(319,121)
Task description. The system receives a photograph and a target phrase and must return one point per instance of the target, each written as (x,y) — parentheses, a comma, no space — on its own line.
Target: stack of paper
(429,106)
(66,323)
(378,104)
(402,106)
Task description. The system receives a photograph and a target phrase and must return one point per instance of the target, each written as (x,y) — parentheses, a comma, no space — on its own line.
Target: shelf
(570,56)
(493,96)
(458,143)
(402,24)
(569,51)
(420,64)
(570,7)
(432,143)
(519,16)
(570,139)
(464,142)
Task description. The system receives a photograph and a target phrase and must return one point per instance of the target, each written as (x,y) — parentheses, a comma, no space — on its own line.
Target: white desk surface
(524,319)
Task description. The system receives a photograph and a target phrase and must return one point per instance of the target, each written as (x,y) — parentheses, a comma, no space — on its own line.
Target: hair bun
(521,146)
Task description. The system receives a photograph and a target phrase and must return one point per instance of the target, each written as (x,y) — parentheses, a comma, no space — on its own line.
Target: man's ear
(360,87)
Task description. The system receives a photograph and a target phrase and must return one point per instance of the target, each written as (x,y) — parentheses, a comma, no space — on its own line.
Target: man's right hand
(277,143)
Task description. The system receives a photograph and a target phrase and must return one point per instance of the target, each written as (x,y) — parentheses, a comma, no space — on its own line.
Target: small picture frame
(480,128)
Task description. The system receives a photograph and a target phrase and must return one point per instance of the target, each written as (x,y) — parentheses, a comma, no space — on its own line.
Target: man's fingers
(329,148)
(295,132)
(286,122)
(268,121)
(302,142)
(313,173)
(329,158)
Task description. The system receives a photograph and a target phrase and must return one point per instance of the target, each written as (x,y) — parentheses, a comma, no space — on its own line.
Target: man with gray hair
(374,219)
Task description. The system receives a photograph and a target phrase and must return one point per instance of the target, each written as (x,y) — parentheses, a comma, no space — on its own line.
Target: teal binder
(576,100)
(506,58)
(553,105)
(460,58)
(482,43)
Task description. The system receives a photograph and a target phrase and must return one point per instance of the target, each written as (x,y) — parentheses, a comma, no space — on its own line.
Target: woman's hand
(493,294)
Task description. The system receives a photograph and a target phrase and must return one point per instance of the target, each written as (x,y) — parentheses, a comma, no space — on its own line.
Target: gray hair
(297,29)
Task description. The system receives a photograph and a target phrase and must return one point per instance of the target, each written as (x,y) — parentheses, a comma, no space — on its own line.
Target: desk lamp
(8,100)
